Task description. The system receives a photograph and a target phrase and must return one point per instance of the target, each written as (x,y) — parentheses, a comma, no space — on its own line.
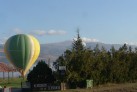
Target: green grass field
(12,82)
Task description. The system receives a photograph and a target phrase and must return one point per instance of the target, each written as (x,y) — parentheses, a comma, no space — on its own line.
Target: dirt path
(128,87)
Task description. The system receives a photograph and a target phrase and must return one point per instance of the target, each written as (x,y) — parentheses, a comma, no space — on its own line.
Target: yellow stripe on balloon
(35,55)
(31,54)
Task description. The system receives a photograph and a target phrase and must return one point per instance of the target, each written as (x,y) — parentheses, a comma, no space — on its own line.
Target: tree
(77,44)
(75,62)
(124,48)
(41,74)
(101,65)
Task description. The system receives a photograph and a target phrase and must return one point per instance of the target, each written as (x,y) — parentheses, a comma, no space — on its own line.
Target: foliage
(41,74)
(115,66)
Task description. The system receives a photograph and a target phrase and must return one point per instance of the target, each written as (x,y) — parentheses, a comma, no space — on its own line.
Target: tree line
(101,65)
(82,63)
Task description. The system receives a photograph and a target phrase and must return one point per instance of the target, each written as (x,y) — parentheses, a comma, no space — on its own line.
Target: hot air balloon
(22,51)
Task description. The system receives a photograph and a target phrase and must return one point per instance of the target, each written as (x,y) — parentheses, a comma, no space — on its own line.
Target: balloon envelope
(22,51)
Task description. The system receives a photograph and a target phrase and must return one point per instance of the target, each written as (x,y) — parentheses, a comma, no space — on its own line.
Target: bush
(41,74)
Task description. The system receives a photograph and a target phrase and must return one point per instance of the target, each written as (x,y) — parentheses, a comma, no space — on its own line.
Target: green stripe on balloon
(19,50)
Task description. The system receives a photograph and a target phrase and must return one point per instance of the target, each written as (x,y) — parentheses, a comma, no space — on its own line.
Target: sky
(107,21)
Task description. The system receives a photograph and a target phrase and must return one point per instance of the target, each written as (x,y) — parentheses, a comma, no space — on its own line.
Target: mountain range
(51,51)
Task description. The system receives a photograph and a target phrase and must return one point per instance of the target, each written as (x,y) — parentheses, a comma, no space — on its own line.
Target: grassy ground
(11,82)
(127,87)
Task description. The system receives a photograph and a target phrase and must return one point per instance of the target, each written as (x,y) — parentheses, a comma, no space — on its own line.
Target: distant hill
(52,51)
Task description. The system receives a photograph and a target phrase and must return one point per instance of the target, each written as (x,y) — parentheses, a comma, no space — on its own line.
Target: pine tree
(41,74)
(75,61)
(77,44)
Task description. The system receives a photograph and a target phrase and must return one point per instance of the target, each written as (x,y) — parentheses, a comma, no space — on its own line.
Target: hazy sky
(107,21)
